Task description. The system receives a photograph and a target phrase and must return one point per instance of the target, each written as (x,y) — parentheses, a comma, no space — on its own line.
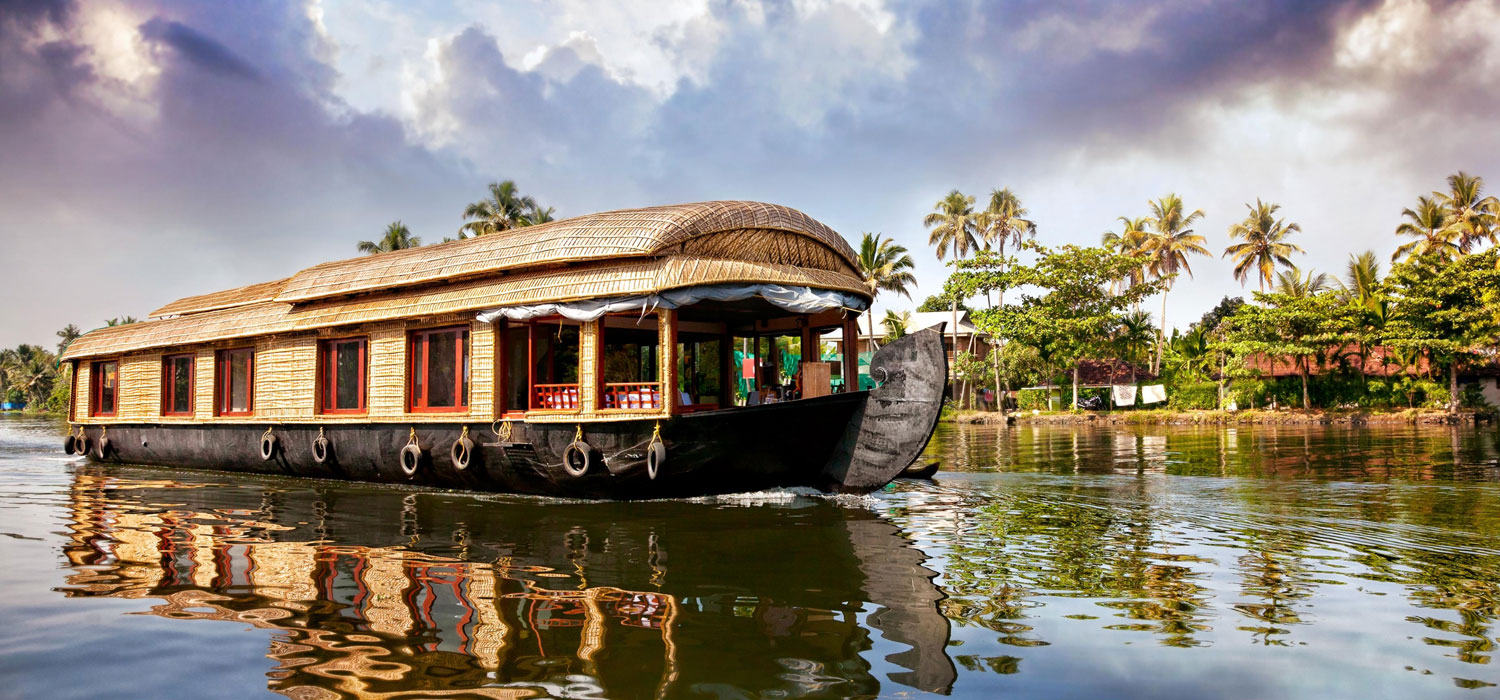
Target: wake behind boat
(591,357)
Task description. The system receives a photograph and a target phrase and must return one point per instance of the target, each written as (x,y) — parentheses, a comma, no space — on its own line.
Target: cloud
(169,148)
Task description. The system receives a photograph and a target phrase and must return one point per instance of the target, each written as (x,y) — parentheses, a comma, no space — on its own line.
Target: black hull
(850,443)
(730,451)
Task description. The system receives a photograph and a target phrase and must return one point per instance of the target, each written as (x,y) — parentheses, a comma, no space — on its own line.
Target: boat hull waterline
(852,442)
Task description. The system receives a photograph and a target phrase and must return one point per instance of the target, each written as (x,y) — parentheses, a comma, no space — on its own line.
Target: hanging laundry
(1124,394)
(1153,393)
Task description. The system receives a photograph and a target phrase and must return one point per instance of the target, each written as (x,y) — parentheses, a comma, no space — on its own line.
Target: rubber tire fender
(68,443)
(411,460)
(81,446)
(462,453)
(106,446)
(577,458)
(322,450)
(268,445)
(656,456)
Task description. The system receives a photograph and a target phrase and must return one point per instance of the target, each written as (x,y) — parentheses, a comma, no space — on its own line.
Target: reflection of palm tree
(1265,243)
(397,237)
(1170,244)
(884,266)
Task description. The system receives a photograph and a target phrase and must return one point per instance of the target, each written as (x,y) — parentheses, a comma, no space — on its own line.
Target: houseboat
(594,357)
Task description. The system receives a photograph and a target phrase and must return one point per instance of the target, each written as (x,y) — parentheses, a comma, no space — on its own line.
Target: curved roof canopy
(632,251)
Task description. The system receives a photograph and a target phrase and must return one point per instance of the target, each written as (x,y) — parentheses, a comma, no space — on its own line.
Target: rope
(268,432)
(464,434)
(320,432)
(655,436)
(578,433)
(411,439)
(505,431)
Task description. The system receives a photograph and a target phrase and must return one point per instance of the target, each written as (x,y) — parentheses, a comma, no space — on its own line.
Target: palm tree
(506,208)
(896,325)
(1362,278)
(397,237)
(1004,222)
(1294,283)
(69,333)
(1131,240)
(1134,336)
(1428,224)
(1265,243)
(1474,217)
(884,266)
(1170,243)
(121,321)
(955,229)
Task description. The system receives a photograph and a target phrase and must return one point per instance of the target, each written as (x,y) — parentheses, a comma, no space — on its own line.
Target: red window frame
(417,383)
(168,364)
(222,381)
(96,388)
(328,375)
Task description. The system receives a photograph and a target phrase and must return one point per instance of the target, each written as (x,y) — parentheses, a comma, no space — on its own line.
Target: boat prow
(891,429)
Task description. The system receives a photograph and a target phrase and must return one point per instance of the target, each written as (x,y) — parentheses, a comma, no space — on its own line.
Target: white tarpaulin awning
(802,300)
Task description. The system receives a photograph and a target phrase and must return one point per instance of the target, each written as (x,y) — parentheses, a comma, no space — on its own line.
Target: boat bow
(898,417)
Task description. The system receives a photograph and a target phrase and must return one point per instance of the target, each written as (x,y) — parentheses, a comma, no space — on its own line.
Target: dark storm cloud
(197,48)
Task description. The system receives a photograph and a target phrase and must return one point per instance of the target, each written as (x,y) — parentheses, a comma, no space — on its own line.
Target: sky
(155,149)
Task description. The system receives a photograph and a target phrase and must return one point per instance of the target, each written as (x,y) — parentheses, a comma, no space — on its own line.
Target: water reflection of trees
(382,594)
(1323,506)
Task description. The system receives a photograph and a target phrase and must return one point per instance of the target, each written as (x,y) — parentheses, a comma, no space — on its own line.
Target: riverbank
(1164,417)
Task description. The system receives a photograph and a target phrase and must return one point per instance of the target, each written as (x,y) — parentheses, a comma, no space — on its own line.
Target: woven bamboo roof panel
(239,296)
(613,235)
(608,279)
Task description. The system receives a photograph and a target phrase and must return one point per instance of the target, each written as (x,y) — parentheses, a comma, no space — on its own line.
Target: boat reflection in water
(375,592)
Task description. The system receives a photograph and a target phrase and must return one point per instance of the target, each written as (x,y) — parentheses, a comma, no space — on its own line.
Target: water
(1155,563)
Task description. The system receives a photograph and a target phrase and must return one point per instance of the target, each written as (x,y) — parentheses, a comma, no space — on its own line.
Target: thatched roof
(637,251)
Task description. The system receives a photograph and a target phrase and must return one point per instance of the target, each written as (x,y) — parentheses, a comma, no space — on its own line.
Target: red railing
(638,395)
(555,397)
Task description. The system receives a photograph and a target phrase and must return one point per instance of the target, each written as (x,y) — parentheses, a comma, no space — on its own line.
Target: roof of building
(617,253)
(922,320)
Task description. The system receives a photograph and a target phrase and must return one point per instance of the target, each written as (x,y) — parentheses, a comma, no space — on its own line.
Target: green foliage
(62,392)
(504,209)
(1033,399)
(940,302)
(1223,310)
(1193,396)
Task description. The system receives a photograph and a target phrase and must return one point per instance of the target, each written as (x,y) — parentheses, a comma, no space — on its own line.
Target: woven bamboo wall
(667,331)
(203,384)
(286,377)
(139,392)
(482,370)
(81,394)
(387,388)
(588,366)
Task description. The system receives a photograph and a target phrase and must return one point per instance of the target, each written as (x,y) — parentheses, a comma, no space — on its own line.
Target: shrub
(1032,399)
(1187,396)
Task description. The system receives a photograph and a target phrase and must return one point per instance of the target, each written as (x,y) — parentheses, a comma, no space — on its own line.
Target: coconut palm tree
(121,321)
(397,237)
(506,208)
(1474,217)
(1134,337)
(1003,223)
(1428,224)
(1171,242)
(1361,278)
(884,266)
(1131,240)
(954,229)
(896,325)
(69,333)
(1265,243)
(1294,283)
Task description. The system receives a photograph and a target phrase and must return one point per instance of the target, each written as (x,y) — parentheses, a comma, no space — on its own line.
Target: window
(700,364)
(341,375)
(104,392)
(234,382)
(439,370)
(177,385)
(631,355)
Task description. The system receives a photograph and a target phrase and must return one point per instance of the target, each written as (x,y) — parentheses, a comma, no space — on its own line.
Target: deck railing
(555,397)
(632,395)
